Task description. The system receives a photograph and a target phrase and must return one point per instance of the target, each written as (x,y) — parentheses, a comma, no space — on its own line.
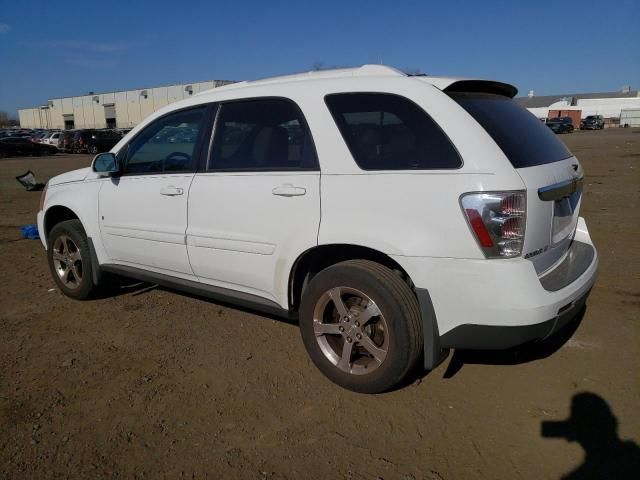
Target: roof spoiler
(482,86)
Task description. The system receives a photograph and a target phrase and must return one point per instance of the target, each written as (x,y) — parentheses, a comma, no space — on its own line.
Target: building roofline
(225,82)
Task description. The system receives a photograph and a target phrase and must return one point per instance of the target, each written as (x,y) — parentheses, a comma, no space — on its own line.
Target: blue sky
(66,48)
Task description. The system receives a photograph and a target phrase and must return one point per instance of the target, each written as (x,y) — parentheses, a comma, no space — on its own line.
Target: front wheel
(360,324)
(70,259)
(93,149)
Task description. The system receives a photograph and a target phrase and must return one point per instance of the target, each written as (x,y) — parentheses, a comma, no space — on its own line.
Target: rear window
(390,132)
(524,139)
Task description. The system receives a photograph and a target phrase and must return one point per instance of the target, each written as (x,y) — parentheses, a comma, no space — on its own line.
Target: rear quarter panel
(414,212)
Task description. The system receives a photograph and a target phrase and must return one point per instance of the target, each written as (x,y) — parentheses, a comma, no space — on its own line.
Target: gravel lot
(148,383)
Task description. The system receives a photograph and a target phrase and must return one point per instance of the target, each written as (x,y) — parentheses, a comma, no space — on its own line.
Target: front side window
(390,132)
(266,134)
(166,145)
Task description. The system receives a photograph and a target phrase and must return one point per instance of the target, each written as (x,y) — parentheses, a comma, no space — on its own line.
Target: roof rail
(367,70)
(362,71)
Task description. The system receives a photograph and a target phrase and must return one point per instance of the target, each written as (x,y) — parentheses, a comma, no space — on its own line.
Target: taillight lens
(497,220)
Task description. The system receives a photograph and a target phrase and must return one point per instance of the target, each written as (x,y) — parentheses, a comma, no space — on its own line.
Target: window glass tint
(390,132)
(167,145)
(261,134)
(524,139)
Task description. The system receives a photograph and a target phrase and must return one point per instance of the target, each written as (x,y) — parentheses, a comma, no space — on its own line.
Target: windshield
(525,140)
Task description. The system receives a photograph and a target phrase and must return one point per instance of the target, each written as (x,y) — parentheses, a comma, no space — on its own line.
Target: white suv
(395,216)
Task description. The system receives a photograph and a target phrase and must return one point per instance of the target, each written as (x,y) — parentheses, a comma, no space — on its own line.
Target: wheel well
(56,215)
(318,258)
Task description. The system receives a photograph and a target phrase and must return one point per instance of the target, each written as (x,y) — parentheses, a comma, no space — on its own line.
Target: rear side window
(390,132)
(263,134)
(524,139)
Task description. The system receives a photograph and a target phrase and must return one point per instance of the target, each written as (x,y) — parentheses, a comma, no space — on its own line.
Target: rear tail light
(497,220)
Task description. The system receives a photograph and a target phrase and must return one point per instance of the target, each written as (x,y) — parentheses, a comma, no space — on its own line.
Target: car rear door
(143,212)
(256,205)
(552,175)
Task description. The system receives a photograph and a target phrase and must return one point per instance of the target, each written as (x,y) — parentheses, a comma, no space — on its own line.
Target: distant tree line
(7,120)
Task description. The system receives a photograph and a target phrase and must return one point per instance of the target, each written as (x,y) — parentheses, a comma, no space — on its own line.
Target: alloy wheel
(351,330)
(67,261)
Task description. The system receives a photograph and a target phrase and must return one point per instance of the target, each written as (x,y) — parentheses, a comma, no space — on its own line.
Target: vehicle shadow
(594,426)
(514,356)
(115,287)
(234,306)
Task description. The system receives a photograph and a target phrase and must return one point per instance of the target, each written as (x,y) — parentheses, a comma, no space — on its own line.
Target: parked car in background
(560,124)
(94,141)
(52,139)
(14,146)
(16,133)
(592,122)
(123,131)
(39,137)
(65,141)
(392,216)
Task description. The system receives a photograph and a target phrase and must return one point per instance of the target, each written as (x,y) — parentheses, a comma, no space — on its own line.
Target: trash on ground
(30,232)
(28,181)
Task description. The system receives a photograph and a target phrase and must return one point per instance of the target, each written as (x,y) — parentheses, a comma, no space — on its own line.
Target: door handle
(289,190)
(171,191)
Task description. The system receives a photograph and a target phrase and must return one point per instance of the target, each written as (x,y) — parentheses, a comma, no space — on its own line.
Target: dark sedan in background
(14,146)
(560,124)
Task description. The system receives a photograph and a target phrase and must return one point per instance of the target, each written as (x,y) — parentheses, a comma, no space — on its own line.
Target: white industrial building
(109,110)
(618,108)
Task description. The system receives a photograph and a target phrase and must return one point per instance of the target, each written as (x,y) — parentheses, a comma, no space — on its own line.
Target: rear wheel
(70,259)
(360,324)
(93,149)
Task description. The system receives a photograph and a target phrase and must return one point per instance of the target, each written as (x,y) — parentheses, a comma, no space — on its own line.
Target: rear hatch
(551,174)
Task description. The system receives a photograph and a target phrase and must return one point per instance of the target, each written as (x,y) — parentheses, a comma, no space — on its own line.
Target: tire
(92,149)
(69,259)
(371,357)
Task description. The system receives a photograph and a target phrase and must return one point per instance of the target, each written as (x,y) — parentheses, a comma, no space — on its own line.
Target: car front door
(143,212)
(256,204)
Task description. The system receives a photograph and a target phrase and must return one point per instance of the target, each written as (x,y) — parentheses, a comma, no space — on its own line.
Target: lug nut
(357,323)
(349,340)
(341,329)
(358,336)
(346,319)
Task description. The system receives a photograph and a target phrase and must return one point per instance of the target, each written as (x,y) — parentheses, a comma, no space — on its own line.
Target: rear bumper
(498,304)
(485,337)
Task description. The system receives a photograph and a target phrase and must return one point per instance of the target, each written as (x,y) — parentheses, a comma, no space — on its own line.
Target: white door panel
(244,235)
(142,224)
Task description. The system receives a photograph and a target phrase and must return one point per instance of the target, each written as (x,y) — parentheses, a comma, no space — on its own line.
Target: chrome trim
(561,189)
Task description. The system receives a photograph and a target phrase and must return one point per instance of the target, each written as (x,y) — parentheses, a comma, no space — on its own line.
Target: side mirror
(105,164)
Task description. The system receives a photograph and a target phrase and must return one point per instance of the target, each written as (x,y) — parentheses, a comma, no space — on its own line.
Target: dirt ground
(148,383)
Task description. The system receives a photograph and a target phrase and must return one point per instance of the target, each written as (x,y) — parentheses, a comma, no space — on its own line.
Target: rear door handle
(171,191)
(289,191)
